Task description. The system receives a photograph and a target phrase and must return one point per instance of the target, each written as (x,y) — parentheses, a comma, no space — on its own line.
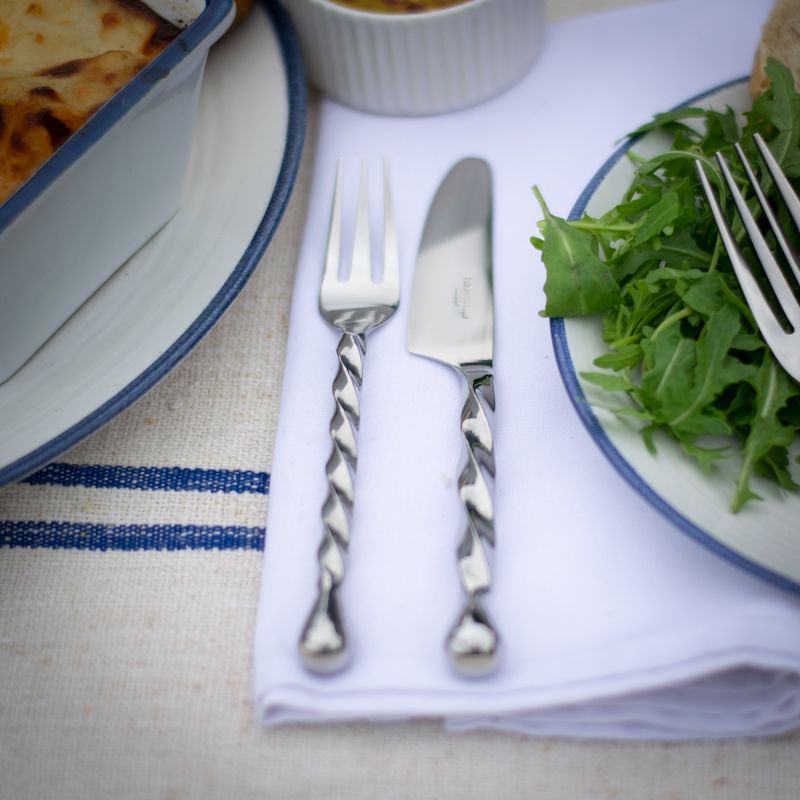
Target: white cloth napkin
(615,624)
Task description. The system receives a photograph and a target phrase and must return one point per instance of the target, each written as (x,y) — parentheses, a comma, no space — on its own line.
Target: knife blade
(451,320)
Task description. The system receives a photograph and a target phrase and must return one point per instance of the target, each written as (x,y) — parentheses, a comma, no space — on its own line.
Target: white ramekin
(418,63)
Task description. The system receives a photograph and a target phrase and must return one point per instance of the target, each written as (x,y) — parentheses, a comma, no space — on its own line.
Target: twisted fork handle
(323,642)
(473,641)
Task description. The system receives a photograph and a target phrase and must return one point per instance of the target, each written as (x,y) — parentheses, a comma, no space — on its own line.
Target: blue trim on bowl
(114,110)
(583,408)
(296,90)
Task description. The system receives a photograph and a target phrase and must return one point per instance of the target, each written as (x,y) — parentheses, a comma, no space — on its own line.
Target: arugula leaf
(578,282)
(657,219)
(779,107)
(684,352)
(773,388)
(721,130)
(669,120)
(674,250)
(712,372)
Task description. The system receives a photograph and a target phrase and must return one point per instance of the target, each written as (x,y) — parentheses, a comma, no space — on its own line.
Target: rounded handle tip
(323,646)
(473,644)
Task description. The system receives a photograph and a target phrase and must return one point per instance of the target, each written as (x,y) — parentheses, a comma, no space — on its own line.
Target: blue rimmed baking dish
(113,184)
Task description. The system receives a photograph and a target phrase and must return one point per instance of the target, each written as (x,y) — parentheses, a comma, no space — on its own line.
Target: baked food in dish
(60,60)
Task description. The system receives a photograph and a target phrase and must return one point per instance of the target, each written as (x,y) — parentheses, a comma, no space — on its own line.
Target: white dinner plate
(245,152)
(763,537)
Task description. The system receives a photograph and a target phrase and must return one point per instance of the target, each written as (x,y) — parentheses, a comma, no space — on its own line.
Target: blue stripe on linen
(77,536)
(160,479)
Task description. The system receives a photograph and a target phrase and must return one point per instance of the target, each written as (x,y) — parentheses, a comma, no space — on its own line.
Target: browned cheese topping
(398,6)
(60,60)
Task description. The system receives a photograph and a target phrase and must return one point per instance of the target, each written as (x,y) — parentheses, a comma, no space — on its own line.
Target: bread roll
(780,38)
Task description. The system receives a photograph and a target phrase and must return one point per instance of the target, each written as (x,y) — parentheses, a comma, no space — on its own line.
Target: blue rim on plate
(235,282)
(582,406)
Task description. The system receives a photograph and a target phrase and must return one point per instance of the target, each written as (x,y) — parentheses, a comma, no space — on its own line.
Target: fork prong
(391,259)
(333,252)
(786,248)
(767,322)
(784,187)
(781,288)
(361,264)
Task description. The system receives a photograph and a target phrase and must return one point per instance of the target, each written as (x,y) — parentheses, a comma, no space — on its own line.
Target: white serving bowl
(418,63)
(106,191)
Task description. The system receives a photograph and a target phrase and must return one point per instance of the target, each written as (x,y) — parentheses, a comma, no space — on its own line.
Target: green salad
(682,343)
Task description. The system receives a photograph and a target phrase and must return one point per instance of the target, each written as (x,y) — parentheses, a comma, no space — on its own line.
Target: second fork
(783,343)
(355,304)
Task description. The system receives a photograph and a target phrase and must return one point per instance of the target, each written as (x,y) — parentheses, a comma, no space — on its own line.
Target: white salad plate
(764,536)
(245,152)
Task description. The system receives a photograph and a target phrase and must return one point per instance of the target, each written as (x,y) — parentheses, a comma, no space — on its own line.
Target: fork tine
(783,291)
(333,252)
(391,260)
(361,265)
(791,258)
(784,187)
(767,322)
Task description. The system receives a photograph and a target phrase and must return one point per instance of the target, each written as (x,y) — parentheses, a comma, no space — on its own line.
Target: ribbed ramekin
(418,63)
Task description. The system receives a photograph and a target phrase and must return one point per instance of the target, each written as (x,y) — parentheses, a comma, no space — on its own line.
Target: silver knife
(451,320)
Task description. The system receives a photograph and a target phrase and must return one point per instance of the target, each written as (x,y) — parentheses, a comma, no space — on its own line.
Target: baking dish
(106,191)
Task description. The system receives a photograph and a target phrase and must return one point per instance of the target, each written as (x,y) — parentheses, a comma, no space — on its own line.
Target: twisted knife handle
(473,642)
(323,642)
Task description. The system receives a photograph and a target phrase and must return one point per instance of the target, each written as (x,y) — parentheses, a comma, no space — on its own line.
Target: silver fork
(355,305)
(784,344)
